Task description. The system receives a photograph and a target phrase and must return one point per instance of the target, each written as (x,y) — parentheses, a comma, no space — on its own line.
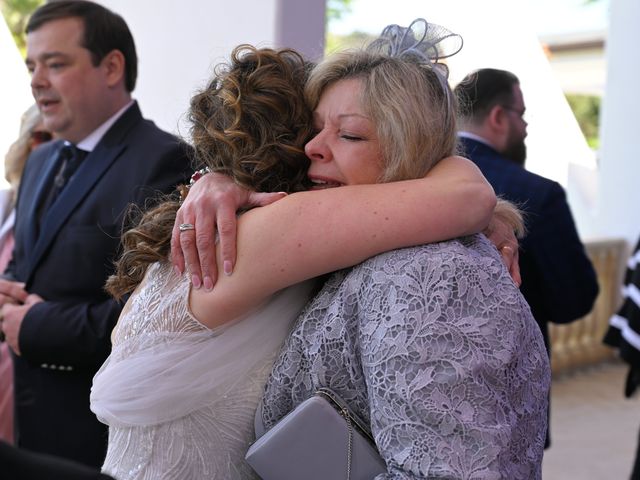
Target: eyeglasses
(40,136)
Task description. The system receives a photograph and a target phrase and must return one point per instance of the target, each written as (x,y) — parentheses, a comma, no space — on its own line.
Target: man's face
(69,90)
(515,149)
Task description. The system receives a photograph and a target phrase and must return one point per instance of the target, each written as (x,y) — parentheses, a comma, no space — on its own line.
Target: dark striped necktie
(69,159)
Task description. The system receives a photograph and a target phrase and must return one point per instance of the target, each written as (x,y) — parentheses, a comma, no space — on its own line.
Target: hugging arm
(211,207)
(213,201)
(310,233)
(506,226)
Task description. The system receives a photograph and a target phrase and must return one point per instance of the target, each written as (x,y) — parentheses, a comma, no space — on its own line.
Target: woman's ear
(113,64)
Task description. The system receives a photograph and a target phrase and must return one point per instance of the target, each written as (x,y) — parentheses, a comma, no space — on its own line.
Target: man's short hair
(104,31)
(482,90)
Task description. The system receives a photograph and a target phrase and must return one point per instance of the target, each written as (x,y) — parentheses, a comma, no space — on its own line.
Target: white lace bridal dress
(178,397)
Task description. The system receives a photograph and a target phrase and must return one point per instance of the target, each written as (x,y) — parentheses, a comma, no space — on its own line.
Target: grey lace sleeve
(456,371)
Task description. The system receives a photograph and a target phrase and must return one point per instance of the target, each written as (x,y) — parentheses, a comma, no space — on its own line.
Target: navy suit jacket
(66,258)
(558,280)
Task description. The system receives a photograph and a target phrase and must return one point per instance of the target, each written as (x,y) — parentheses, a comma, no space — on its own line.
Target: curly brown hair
(251,122)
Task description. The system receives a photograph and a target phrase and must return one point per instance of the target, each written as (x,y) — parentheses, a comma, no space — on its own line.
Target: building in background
(578,61)
(579,64)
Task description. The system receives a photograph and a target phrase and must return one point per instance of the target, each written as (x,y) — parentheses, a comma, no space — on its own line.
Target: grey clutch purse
(320,439)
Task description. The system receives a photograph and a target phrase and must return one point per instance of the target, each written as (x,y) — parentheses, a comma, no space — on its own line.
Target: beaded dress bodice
(179,398)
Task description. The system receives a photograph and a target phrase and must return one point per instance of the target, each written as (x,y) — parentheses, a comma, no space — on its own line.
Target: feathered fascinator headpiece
(421,42)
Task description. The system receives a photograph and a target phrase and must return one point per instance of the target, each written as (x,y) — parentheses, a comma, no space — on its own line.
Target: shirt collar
(477,138)
(90,142)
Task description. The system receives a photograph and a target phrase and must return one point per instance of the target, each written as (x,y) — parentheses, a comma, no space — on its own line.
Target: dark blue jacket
(558,280)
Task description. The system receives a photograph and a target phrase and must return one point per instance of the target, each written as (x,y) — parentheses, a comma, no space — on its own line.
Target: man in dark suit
(558,280)
(56,316)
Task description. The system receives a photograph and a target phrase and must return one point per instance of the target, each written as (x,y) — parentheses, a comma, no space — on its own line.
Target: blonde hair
(19,151)
(510,214)
(411,107)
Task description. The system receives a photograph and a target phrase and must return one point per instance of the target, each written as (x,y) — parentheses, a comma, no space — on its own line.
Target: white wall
(15,94)
(179,43)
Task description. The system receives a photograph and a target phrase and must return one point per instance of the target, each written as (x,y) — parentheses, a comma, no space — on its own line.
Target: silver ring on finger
(183,227)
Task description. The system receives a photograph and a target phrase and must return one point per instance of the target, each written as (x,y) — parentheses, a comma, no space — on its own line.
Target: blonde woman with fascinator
(433,345)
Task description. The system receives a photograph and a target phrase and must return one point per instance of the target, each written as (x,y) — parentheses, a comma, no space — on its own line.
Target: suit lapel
(82,183)
(40,189)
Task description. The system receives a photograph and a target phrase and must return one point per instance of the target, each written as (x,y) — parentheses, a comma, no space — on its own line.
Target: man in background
(56,317)
(558,280)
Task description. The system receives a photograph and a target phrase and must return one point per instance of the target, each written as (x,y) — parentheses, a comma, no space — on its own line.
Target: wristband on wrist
(197,175)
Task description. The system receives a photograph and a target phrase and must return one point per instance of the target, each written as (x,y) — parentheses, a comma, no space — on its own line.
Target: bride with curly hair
(189,365)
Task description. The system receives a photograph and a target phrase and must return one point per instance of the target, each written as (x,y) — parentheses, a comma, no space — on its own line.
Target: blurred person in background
(32,134)
(558,280)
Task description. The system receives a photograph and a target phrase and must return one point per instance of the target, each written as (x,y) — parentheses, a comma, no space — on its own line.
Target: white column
(300,24)
(617,212)
(179,43)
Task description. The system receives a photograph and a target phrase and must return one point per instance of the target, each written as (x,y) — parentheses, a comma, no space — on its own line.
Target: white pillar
(301,25)
(179,43)
(617,212)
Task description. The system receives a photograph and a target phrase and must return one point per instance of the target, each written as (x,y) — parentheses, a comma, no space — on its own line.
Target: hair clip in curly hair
(422,41)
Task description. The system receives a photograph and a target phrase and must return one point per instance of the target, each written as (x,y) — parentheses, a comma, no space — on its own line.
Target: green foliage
(337,8)
(16,13)
(340,42)
(586,109)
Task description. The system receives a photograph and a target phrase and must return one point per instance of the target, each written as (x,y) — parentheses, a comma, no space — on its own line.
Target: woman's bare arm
(211,207)
(310,233)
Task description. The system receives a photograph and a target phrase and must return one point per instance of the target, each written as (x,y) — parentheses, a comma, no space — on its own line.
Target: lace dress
(178,397)
(436,348)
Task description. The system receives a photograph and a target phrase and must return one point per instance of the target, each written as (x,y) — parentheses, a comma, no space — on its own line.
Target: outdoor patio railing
(579,343)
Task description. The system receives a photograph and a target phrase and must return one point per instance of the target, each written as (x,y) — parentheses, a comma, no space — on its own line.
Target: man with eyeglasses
(558,280)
